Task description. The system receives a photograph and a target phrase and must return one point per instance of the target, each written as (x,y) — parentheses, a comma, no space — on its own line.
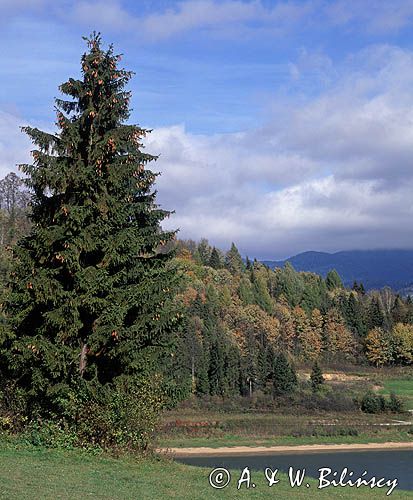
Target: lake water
(381,464)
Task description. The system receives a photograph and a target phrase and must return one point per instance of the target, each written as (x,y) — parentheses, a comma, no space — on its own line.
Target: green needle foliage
(91,300)
(316,377)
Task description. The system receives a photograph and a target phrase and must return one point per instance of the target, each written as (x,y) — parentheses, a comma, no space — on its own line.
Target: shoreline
(269,450)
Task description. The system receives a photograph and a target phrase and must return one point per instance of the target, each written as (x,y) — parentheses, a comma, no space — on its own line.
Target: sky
(282,126)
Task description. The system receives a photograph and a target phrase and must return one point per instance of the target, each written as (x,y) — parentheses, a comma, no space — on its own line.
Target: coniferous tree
(375,316)
(233,260)
(216,369)
(202,382)
(245,291)
(203,252)
(399,311)
(284,376)
(214,260)
(260,290)
(333,280)
(316,377)
(91,294)
(289,284)
(263,368)
(354,315)
(232,370)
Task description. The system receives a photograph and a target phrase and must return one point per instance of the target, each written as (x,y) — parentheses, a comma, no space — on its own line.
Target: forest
(247,327)
(244,319)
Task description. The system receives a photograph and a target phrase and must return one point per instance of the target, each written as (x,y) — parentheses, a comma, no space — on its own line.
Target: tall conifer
(91,296)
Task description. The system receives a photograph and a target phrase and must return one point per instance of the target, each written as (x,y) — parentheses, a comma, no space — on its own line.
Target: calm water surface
(381,464)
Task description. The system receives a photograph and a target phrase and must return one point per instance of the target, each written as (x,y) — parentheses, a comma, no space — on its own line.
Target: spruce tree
(91,293)
(284,376)
(354,315)
(232,370)
(216,369)
(214,260)
(316,377)
(375,315)
(333,280)
(233,260)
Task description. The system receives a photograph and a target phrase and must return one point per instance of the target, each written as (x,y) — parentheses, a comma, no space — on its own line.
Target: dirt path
(269,450)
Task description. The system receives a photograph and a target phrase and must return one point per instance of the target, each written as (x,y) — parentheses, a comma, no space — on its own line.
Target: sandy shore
(269,450)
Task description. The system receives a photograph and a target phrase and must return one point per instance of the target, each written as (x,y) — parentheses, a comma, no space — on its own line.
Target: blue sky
(282,126)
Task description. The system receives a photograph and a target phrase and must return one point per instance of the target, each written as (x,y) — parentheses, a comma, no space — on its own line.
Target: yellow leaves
(65,211)
(377,347)
(403,335)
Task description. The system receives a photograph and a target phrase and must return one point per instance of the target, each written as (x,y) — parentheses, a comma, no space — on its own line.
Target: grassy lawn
(30,473)
(392,435)
(187,428)
(402,387)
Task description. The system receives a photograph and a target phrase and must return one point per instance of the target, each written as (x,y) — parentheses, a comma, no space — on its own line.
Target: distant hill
(374,268)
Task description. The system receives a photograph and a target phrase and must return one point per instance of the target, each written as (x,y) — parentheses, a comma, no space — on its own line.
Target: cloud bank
(332,173)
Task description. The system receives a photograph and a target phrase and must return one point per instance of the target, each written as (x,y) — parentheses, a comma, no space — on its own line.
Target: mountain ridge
(374,268)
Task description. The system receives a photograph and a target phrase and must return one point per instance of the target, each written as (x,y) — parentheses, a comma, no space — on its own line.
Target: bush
(89,415)
(50,434)
(395,404)
(123,415)
(373,403)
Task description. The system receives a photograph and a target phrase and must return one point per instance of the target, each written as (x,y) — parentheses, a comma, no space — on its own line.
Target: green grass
(269,429)
(30,473)
(401,387)
(391,435)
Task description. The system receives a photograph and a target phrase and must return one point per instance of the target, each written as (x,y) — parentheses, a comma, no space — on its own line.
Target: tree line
(244,320)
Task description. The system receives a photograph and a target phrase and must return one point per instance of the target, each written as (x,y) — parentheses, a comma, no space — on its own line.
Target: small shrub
(395,403)
(372,403)
(50,434)
(376,403)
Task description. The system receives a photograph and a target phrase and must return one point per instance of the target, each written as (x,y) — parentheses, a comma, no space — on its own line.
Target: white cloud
(329,172)
(234,18)
(379,16)
(102,14)
(14,144)
(226,18)
(333,173)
